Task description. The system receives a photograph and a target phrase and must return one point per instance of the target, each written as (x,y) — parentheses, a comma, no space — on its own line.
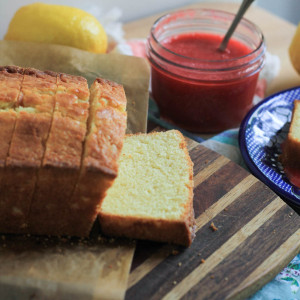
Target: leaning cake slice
(152,197)
(103,144)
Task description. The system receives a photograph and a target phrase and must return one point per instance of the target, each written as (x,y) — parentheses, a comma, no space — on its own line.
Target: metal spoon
(244,6)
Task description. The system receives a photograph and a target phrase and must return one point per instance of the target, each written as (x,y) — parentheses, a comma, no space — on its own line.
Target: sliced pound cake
(290,157)
(59,150)
(102,148)
(152,197)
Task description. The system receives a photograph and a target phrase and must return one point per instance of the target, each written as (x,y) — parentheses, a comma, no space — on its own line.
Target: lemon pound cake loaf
(152,197)
(290,157)
(59,150)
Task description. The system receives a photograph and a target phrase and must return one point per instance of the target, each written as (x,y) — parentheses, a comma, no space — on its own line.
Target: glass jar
(204,95)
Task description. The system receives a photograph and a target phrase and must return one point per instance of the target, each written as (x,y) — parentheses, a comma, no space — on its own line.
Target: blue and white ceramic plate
(260,137)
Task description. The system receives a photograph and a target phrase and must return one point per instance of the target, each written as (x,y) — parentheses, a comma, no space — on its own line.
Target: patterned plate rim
(247,158)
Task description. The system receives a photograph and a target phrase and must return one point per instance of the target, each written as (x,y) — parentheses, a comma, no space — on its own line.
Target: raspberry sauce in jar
(195,85)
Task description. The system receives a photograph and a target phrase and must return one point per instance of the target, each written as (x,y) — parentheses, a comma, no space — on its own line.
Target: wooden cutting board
(257,235)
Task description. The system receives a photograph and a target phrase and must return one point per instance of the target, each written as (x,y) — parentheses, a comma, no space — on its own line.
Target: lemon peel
(294,50)
(57,24)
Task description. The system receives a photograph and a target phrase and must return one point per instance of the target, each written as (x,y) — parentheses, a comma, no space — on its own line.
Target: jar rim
(221,12)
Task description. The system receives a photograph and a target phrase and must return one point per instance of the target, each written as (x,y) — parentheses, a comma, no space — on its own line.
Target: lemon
(57,24)
(294,50)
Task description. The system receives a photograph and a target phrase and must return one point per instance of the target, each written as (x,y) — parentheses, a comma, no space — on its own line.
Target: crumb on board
(179,264)
(213,226)
(174,282)
(202,261)
(290,214)
(175,252)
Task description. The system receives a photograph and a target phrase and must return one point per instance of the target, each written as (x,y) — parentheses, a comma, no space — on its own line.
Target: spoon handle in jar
(243,8)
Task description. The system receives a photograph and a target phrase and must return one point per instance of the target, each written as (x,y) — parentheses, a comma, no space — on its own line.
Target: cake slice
(10,86)
(34,113)
(62,160)
(103,144)
(152,197)
(290,156)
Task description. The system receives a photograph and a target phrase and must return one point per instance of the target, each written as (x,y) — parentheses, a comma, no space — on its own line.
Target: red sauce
(202,101)
(204,46)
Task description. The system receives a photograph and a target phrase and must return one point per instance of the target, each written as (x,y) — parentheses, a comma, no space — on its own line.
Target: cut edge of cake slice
(152,197)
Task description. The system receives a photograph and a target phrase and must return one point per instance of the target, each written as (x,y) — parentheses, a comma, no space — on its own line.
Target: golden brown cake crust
(166,231)
(75,85)
(7,123)
(10,86)
(26,150)
(11,69)
(11,217)
(27,146)
(103,150)
(103,144)
(62,160)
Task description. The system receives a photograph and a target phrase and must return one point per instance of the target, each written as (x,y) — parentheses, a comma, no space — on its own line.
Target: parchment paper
(33,267)
(52,268)
(131,72)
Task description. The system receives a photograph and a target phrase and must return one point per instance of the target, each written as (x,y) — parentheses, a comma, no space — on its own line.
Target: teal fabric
(285,286)
(228,137)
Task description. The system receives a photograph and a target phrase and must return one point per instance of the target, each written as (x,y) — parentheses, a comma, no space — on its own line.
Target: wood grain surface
(257,235)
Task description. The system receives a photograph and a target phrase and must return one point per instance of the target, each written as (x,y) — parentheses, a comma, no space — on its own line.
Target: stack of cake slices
(59,163)
(59,150)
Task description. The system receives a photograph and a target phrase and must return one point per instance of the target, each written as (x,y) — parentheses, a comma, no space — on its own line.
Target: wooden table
(278,35)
